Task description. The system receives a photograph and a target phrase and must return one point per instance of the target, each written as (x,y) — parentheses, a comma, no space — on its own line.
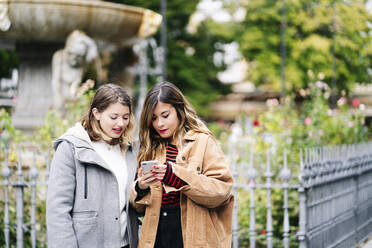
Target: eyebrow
(119,114)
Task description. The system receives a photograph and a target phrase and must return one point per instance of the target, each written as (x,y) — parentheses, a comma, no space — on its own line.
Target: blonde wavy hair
(106,95)
(152,146)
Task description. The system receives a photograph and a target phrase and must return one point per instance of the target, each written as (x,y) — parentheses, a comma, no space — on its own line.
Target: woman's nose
(160,123)
(120,122)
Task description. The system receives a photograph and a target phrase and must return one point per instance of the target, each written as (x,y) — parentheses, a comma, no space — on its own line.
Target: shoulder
(63,145)
(64,153)
(202,141)
(203,137)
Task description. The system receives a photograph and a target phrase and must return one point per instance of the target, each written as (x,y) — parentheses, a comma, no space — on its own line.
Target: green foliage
(308,37)
(8,61)
(54,126)
(288,127)
(40,217)
(285,126)
(261,213)
(8,133)
(189,56)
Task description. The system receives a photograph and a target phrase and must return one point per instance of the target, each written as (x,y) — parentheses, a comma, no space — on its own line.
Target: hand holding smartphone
(148,165)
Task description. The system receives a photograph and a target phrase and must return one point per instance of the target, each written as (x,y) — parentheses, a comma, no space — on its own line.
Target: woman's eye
(113,117)
(165,116)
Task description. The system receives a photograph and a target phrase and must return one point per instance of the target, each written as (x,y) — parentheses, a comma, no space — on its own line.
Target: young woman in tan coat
(186,197)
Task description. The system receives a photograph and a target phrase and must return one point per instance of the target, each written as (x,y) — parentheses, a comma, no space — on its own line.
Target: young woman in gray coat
(90,177)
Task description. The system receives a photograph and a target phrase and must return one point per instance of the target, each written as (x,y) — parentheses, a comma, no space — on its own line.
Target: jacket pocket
(86,228)
(199,226)
(217,226)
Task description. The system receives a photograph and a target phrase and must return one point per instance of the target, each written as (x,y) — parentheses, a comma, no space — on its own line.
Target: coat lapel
(131,166)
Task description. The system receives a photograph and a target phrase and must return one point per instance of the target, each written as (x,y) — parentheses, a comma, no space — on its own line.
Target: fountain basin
(53,20)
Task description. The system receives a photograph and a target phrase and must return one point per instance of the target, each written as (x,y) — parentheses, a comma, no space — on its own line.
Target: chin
(115,136)
(164,136)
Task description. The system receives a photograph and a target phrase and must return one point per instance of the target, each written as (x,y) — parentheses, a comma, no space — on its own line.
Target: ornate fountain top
(53,20)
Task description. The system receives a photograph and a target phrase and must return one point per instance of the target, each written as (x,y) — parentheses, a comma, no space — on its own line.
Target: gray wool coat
(82,208)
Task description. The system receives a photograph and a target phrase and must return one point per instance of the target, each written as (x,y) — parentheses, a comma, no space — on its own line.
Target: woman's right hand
(145,180)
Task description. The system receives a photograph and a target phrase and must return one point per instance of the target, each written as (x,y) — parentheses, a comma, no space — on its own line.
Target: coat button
(116,218)
(198,169)
(183,158)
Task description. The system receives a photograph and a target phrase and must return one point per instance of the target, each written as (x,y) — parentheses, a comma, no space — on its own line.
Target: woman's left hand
(158,171)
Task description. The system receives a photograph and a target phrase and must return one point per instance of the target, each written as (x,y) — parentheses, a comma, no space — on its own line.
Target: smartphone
(147,165)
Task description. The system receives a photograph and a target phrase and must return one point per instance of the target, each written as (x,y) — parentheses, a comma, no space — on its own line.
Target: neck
(109,140)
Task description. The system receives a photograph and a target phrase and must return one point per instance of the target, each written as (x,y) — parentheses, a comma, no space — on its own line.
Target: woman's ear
(96,113)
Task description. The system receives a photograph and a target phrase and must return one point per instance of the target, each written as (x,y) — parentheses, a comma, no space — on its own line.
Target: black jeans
(169,234)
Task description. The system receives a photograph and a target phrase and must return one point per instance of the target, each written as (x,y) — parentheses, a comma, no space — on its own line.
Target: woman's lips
(117,131)
(162,131)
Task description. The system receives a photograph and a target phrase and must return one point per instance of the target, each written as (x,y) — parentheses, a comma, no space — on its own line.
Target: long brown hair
(106,95)
(152,145)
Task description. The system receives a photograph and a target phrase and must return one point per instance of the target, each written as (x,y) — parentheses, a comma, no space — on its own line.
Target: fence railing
(332,188)
(334,194)
(339,196)
(20,175)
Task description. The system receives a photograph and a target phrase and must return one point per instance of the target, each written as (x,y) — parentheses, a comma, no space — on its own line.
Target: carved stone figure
(68,66)
(4,18)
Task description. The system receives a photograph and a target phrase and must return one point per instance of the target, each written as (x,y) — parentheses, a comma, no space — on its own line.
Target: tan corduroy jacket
(206,200)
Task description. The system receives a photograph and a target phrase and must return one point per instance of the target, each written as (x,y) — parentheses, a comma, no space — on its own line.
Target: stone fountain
(36,29)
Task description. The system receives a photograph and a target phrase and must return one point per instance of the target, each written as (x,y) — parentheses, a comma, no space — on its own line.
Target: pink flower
(351,124)
(341,101)
(221,123)
(307,121)
(356,103)
(256,123)
(15,98)
(272,102)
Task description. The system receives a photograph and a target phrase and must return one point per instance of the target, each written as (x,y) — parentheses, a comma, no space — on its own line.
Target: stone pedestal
(34,97)
(36,27)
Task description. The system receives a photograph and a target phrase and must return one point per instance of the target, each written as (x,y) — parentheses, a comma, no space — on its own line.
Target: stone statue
(4,18)
(68,66)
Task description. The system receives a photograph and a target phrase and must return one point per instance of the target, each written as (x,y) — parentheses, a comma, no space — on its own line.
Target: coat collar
(190,136)
(85,153)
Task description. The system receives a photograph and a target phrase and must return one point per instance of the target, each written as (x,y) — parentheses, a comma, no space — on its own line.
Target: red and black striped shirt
(172,199)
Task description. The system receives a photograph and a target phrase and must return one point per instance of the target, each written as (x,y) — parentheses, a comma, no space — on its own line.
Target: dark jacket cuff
(141,192)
